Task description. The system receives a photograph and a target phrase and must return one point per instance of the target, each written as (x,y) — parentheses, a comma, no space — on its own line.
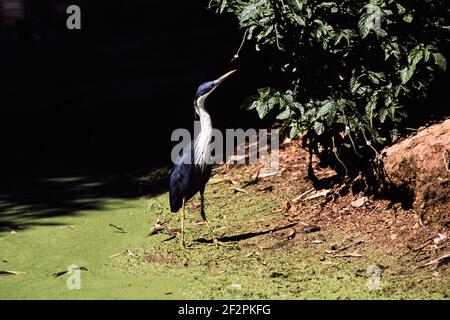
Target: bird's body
(187,179)
(193,168)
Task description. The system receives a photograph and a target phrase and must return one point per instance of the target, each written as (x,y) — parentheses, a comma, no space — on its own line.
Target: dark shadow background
(108,97)
(84,113)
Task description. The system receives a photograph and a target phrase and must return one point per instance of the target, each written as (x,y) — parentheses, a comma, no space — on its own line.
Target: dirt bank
(421,163)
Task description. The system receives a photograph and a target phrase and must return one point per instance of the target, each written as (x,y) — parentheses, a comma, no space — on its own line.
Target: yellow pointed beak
(225,76)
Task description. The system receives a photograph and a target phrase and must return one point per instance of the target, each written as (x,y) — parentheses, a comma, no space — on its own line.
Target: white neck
(202,144)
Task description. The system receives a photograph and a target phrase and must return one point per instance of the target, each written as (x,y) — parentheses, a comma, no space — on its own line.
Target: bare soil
(419,163)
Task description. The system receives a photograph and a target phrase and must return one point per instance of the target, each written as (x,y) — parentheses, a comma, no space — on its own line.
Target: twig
(164,222)
(236,190)
(323,193)
(117,254)
(429,240)
(443,246)
(219,273)
(345,247)
(128,252)
(353,144)
(169,238)
(350,136)
(69,226)
(217,181)
(236,56)
(155,229)
(369,143)
(277,37)
(337,157)
(354,254)
(296,199)
(118,228)
(435,261)
(11,273)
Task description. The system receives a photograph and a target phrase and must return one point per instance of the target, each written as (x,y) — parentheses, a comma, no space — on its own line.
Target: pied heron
(192,169)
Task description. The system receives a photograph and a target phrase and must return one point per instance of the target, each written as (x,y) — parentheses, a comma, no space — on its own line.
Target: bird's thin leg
(202,213)
(182,225)
(202,207)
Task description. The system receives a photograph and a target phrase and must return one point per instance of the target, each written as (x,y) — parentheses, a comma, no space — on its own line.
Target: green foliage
(352,66)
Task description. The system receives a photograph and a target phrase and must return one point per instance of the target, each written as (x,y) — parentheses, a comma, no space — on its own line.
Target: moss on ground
(265,266)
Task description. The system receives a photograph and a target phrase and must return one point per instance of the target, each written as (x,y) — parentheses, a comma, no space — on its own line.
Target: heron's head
(206,88)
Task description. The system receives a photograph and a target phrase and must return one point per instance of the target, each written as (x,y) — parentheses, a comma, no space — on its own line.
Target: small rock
(358,203)
(440,237)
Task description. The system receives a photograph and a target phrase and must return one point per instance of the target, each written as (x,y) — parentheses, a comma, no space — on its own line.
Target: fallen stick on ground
(68,226)
(344,247)
(435,261)
(155,229)
(429,241)
(236,190)
(120,230)
(296,199)
(128,252)
(323,193)
(11,273)
(354,254)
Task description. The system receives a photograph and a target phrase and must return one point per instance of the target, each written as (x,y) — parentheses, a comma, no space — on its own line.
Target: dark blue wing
(186,179)
(180,178)
(179,183)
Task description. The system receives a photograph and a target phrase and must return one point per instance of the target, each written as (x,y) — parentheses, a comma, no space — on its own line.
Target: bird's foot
(185,246)
(197,223)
